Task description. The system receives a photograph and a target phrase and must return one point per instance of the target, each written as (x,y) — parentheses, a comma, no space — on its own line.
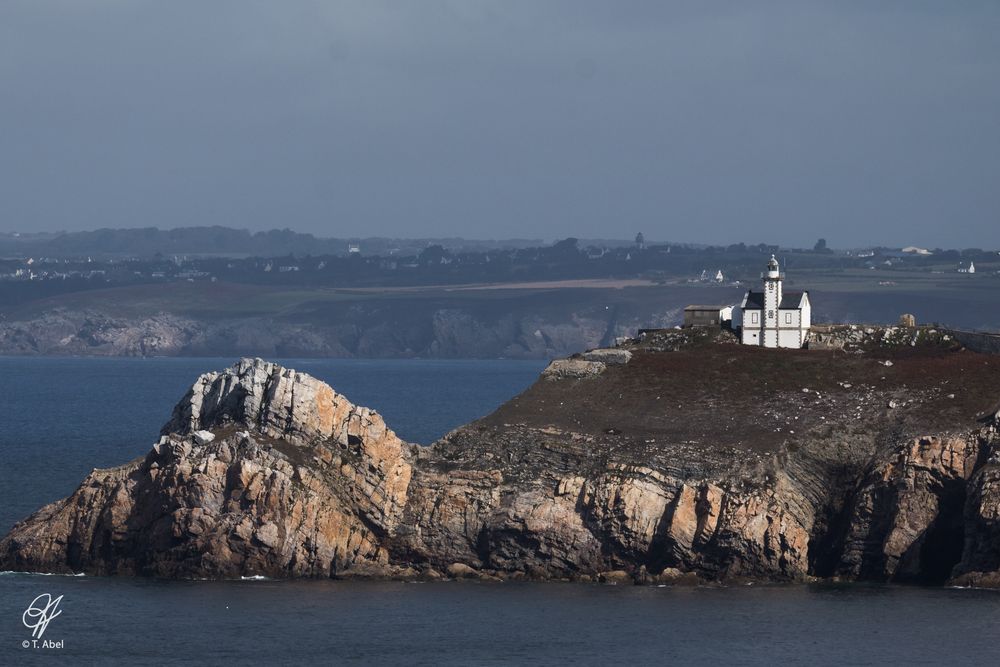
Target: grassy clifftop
(700,386)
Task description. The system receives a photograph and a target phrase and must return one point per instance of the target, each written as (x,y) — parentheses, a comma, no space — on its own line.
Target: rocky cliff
(678,456)
(230,320)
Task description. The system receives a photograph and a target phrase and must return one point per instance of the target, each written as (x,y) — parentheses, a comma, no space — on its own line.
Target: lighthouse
(774,317)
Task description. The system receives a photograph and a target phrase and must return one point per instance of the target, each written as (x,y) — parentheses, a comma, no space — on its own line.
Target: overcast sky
(715,122)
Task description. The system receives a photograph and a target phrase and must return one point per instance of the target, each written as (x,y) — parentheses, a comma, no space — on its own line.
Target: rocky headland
(197,319)
(680,456)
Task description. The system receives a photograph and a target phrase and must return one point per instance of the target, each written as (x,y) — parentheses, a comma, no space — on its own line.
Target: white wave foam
(44,574)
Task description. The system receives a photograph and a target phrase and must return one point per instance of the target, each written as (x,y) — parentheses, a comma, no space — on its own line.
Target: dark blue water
(334,623)
(62,417)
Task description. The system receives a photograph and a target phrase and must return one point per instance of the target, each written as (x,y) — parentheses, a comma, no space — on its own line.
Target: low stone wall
(986,343)
(857,337)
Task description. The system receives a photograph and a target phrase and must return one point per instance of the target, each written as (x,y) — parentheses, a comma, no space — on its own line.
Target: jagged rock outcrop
(644,472)
(298,481)
(608,356)
(573,368)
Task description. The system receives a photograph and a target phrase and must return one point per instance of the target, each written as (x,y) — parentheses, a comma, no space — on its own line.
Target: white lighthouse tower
(772,300)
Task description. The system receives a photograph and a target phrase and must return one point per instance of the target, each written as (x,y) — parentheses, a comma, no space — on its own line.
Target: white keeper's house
(773,317)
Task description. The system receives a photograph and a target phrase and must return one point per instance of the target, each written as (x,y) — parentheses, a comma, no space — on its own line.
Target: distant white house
(773,317)
(971,269)
(708,277)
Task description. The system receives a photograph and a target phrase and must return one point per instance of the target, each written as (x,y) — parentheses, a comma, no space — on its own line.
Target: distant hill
(216,240)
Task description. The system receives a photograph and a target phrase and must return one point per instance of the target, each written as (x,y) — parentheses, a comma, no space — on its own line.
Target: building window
(788,318)
(753,318)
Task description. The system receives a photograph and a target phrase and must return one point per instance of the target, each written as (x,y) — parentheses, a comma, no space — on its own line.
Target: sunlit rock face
(295,481)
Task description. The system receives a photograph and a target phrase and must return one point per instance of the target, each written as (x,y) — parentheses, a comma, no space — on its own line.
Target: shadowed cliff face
(216,319)
(641,463)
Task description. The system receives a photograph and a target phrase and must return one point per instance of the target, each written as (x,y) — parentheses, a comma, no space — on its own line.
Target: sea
(61,417)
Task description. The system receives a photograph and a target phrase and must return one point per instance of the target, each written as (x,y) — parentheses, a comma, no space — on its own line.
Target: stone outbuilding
(707,316)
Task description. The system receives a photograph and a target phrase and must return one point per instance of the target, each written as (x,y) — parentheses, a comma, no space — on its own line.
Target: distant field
(867,280)
(838,296)
(202,299)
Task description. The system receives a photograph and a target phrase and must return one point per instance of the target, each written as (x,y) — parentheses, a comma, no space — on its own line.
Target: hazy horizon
(863,124)
(625,239)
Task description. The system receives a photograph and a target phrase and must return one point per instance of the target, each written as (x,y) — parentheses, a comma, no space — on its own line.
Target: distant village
(56,266)
(459,260)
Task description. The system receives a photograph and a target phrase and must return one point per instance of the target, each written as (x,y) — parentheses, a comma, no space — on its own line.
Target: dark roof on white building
(753,301)
(700,308)
(789,301)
